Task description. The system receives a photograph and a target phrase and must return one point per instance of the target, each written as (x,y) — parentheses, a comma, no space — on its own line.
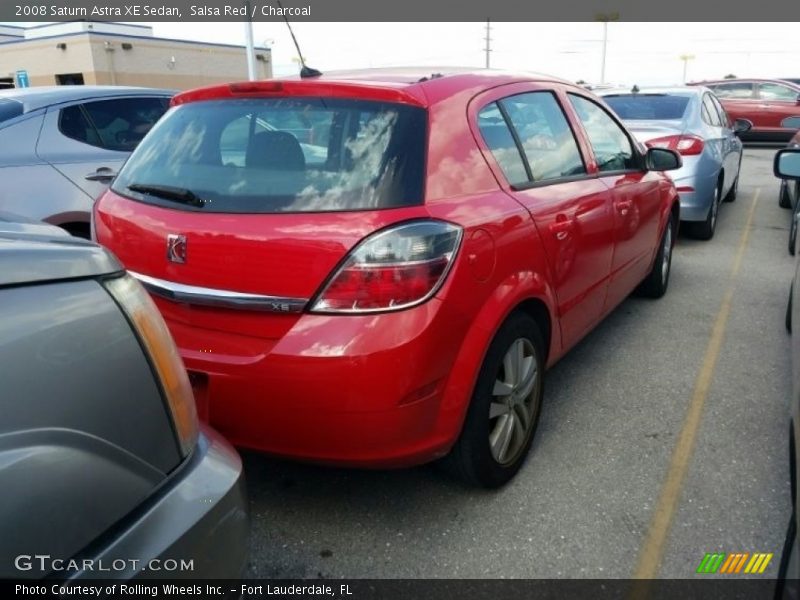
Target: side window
(497,136)
(611,145)
(723,116)
(709,112)
(775,91)
(544,132)
(734,91)
(118,124)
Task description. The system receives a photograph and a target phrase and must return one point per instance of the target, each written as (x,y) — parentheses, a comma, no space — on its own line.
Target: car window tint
(284,154)
(9,109)
(724,118)
(775,91)
(735,91)
(544,132)
(709,112)
(117,124)
(498,138)
(639,106)
(612,147)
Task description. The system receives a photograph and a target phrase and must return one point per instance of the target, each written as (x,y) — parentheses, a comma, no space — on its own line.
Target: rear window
(656,107)
(9,109)
(281,155)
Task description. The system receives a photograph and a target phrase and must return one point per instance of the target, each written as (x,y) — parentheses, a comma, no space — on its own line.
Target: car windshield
(651,107)
(281,155)
(9,109)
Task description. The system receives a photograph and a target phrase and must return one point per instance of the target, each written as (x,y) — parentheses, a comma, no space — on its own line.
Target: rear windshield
(9,109)
(657,107)
(280,155)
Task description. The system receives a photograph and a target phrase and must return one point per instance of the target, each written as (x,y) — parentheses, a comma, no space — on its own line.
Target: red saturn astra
(376,268)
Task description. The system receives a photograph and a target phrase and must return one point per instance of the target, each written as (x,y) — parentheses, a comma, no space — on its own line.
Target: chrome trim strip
(191,294)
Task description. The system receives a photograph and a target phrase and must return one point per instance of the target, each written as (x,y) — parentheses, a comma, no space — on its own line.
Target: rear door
(740,101)
(731,144)
(539,157)
(88,141)
(778,102)
(635,195)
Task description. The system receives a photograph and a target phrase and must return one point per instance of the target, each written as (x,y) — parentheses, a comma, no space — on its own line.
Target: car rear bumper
(696,192)
(195,526)
(356,390)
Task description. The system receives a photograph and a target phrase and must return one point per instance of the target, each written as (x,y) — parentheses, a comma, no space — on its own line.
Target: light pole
(248,34)
(605,18)
(686,58)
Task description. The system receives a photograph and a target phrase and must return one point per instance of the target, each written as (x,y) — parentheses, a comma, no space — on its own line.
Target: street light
(686,58)
(605,18)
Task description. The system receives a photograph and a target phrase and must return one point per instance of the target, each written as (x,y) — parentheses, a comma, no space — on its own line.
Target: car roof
(35,252)
(744,80)
(33,98)
(424,85)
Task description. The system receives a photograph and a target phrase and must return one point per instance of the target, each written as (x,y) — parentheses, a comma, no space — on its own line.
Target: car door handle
(562,227)
(623,206)
(103,174)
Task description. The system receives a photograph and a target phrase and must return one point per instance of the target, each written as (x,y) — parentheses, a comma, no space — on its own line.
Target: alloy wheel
(512,412)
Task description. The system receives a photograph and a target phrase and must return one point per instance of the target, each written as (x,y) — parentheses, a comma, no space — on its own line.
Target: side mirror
(787,163)
(791,123)
(740,126)
(662,159)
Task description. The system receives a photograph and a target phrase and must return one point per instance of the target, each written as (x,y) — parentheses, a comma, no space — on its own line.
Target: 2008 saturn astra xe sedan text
(375,268)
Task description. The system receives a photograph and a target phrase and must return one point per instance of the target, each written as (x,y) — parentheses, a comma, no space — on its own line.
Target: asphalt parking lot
(604,493)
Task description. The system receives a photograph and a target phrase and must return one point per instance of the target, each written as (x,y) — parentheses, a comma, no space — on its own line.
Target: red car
(390,289)
(765,102)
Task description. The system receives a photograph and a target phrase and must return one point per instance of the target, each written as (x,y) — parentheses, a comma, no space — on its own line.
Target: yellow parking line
(653,547)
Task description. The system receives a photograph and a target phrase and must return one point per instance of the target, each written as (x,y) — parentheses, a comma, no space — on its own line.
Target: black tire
(704,230)
(656,283)
(784,201)
(789,310)
(472,459)
(733,193)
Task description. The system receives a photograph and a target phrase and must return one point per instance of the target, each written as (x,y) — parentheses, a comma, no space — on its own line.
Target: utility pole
(686,58)
(604,18)
(488,47)
(248,34)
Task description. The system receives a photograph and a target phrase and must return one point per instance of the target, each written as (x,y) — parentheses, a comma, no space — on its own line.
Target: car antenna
(305,71)
(635,89)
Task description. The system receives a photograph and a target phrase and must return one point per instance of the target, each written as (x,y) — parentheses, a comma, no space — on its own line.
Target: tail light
(393,269)
(685,145)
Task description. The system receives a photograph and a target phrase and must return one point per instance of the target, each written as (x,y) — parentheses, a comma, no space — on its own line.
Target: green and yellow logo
(733,563)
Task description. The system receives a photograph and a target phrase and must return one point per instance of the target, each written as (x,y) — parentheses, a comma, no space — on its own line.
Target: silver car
(105,469)
(61,146)
(691,121)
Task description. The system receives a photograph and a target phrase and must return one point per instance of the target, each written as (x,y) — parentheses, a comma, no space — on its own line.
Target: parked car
(787,167)
(61,146)
(691,121)
(789,192)
(102,460)
(764,102)
(399,299)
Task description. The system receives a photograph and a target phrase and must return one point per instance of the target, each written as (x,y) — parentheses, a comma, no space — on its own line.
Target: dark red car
(765,102)
(375,268)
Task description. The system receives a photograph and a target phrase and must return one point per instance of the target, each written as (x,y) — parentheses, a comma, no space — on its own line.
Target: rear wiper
(169,192)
